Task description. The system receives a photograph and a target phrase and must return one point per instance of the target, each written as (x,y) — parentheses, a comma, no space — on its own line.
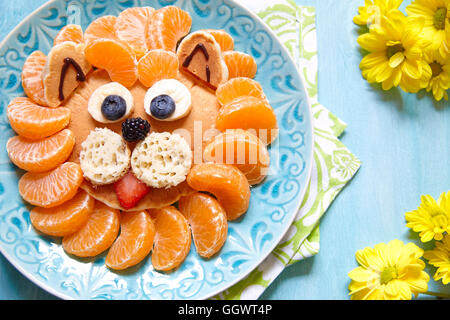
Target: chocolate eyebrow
(80,74)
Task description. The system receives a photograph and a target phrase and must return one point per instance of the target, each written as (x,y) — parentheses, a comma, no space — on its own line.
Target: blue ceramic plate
(273,205)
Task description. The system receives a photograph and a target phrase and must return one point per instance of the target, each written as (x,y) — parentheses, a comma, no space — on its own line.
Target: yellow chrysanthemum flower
(440,258)
(439,74)
(392,271)
(370,15)
(394,50)
(431,219)
(434,14)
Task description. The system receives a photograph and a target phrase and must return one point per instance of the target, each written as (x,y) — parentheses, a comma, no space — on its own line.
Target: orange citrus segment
(134,242)
(238,88)
(101,28)
(131,26)
(32,82)
(96,235)
(114,57)
(224,40)
(242,149)
(41,155)
(34,122)
(64,219)
(226,183)
(168,26)
(249,113)
(208,221)
(157,65)
(172,239)
(52,188)
(240,64)
(71,32)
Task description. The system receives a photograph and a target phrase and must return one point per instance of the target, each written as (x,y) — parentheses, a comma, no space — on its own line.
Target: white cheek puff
(99,95)
(177,91)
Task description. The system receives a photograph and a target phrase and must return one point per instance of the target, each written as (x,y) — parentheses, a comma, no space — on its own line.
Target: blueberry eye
(114,107)
(162,106)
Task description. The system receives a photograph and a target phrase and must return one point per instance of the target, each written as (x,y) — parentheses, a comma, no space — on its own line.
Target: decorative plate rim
(46,287)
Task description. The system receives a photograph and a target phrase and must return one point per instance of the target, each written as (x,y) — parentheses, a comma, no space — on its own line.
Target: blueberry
(162,106)
(114,107)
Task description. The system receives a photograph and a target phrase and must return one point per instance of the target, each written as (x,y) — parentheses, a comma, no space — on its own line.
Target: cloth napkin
(333,166)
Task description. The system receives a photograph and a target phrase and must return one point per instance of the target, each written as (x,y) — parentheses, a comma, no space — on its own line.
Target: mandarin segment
(226,183)
(116,58)
(168,26)
(34,122)
(70,32)
(134,243)
(96,235)
(101,28)
(224,40)
(172,238)
(157,65)
(52,188)
(131,26)
(32,81)
(64,219)
(41,155)
(249,113)
(240,64)
(208,221)
(242,149)
(238,88)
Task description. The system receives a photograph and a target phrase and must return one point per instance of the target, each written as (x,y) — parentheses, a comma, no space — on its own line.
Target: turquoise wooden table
(402,140)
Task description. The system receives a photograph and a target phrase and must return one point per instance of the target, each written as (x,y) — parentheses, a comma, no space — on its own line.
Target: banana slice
(168,109)
(111,103)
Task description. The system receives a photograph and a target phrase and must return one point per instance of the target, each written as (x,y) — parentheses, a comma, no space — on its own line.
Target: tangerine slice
(32,81)
(131,26)
(226,183)
(34,122)
(96,235)
(52,188)
(242,149)
(134,243)
(240,64)
(237,88)
(41,155)
(114,57)
(70,32)
(208,221)
(172,238)
(168,26)
(249,113)
(157,65)
(101,28)
(224,40)
(64,219)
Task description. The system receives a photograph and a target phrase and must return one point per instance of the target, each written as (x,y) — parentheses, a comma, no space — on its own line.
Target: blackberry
(135,129)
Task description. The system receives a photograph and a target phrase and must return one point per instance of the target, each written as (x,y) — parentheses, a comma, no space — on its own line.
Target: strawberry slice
(130,190)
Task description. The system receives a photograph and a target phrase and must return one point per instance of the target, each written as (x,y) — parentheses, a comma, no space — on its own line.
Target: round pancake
(197,128)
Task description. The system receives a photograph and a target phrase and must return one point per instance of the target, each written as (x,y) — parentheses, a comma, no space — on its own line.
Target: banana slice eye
(168,100)
(111,103)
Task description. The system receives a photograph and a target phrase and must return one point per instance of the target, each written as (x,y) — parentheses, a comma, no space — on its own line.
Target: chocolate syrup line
(208,74)
(80,74)
(187,61)
(199,46)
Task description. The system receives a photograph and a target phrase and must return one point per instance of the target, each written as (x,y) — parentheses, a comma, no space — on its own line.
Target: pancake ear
(200,55)
(65,68)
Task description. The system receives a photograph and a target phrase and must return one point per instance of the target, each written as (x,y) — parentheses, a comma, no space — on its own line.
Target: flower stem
(438,294)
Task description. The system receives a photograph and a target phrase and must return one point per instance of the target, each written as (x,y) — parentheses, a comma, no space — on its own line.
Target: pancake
(202,119)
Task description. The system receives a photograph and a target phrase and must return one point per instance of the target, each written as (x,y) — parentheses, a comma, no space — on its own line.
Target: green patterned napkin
(334,165)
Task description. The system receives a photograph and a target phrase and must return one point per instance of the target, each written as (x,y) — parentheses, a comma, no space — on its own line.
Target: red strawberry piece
(130,190)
